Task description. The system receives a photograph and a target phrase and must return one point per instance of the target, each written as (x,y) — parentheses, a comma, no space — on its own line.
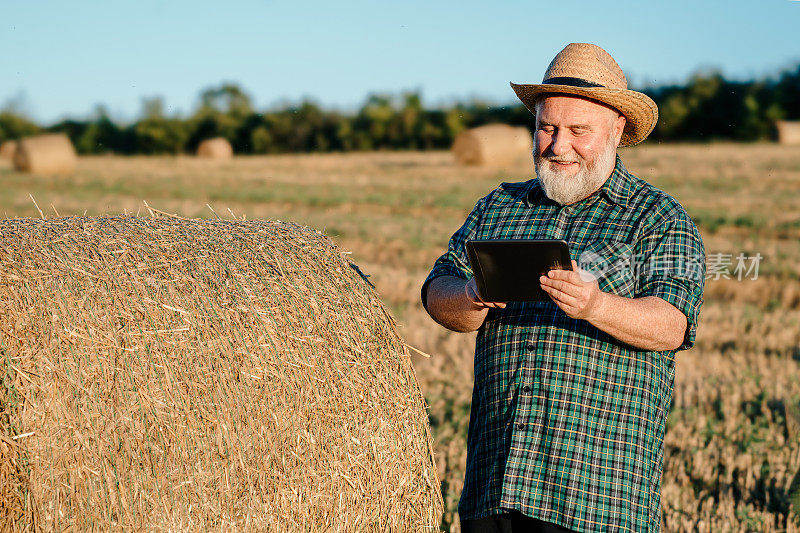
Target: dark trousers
(510,523)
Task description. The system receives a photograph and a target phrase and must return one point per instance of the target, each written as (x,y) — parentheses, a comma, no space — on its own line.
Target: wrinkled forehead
(574,106)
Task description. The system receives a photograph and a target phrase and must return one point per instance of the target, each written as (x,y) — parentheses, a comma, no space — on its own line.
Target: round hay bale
(788,132)
(163,374)
(494,145)
(7,149)
(216,148)
(46,154)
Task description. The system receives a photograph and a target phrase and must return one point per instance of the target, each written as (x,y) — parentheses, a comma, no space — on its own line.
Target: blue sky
(60,59)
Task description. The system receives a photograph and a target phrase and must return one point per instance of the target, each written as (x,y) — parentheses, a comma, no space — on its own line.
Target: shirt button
(526,388)
(530,347)
(520,426)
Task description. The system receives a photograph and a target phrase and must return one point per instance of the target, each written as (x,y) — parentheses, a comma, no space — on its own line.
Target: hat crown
(586,62)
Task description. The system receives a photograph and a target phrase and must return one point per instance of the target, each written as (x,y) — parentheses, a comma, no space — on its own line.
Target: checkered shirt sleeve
(670,261)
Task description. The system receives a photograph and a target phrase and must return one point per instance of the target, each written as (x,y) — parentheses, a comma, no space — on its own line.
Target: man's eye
(547,129)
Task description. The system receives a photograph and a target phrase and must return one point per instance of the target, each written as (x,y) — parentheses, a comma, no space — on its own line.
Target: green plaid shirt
(567,423)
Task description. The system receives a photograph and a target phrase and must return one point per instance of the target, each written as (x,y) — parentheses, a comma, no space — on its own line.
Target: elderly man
(571,395)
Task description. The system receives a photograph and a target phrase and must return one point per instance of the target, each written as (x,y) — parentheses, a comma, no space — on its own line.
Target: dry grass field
(733,440)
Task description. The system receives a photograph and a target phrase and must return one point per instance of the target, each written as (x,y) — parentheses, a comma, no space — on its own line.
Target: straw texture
(495,145)
(216,148)
(166,374)
(46,154)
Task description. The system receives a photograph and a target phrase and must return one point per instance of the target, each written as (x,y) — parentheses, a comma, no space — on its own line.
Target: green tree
(103,135)
(15,126)
(222,112)
(373,122)
(158,134)
(227,99)
(787,93)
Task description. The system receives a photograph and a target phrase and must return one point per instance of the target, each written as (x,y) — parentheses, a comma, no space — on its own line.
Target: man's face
(575,146)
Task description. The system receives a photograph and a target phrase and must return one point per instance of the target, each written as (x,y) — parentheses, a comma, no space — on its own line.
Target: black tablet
(508,270)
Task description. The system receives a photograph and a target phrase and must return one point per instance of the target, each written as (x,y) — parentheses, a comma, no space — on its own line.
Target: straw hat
(587,70)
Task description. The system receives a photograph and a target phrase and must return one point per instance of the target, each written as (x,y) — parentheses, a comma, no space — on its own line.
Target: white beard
(565,189)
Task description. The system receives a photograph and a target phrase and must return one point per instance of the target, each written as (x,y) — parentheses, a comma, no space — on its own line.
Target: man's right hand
(454,303)
(471,290)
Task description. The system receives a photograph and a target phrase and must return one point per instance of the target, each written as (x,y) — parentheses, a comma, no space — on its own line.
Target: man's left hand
(575,292)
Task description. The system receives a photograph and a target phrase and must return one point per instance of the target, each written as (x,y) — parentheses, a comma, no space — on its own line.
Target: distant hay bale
(45,154)
(788,132)
(162,374)
(493,145)
(7,149)
(216,148)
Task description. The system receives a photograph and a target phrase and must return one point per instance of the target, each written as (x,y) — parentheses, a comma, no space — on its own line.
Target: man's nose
(559,143)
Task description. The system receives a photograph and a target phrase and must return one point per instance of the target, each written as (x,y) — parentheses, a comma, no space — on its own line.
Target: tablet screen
(508,270)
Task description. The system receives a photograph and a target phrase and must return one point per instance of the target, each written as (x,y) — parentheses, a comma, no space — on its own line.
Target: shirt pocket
(612,264)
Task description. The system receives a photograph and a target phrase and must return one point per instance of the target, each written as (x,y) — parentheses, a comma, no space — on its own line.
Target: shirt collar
(616,188)
(536,194)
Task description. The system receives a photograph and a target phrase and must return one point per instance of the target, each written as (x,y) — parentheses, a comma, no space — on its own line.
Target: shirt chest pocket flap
(612,263)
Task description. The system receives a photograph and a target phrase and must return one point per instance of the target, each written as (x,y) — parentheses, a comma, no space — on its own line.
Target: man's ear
(619,127)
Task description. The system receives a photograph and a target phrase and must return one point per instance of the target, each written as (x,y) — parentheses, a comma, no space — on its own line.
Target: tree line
(707,107)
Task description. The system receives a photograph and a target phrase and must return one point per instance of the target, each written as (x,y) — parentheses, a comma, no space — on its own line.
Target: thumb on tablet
(471,290)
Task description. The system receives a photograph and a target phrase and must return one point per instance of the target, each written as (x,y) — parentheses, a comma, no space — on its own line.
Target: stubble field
(732,449)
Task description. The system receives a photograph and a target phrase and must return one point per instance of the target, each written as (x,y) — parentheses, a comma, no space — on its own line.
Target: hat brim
(641,112)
